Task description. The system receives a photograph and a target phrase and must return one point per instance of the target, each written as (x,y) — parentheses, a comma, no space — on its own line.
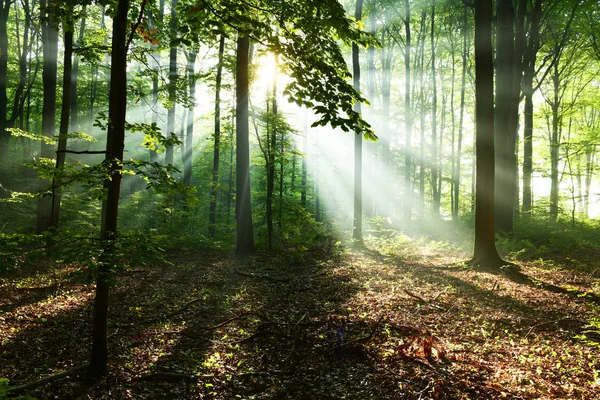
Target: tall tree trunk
(155,77)
(506,117)
(74,114)
(385,137)
(358,209)
(484,253)
(555,135)
(269,151)
(4,134)
(212,218)
(434,143)
(110,206)
(420,66)
(461,118)
(281,147)
(63,131)
(454,183)
(50,39)
(243,209)
(189,131)
(408,193)
(304,161)
(172,85)
(529,58)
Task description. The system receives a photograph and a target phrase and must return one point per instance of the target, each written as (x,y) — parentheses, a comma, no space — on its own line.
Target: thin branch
(136,25)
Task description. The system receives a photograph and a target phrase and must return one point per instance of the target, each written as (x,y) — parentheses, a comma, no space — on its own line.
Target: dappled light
(312,200)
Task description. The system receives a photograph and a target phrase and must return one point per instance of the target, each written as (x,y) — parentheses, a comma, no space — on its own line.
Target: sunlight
(267,70)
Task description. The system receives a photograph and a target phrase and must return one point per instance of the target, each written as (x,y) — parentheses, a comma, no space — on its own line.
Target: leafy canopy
(307,35)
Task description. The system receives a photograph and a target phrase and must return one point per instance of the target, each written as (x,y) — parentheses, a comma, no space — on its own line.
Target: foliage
(536,238)
(17,250)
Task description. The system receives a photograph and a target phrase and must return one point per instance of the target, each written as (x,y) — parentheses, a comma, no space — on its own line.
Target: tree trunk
(50,39)
(172,85)
(408,194)
(212,218)
(420,66)
(529,57)
(155,77)
(4,134)
(243,209)
(74,114)
(110,206)
(506,116)
(304,161)
(358,211)
(461,118)
(68,27)
(555,135)
(434,143)
(484,253)
(189,131)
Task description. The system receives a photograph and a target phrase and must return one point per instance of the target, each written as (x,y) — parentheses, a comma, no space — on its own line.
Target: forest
(299,199)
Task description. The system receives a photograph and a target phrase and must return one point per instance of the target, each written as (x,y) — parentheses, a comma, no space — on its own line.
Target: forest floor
(410,322)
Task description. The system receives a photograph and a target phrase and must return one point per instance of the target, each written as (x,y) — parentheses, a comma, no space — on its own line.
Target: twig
(32,385)
(245,314)
(495,285)
(259,276)
(422,300)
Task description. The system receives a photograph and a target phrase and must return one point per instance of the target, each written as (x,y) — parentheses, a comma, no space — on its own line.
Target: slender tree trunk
(74,114)
(408,194)
(589,173)
(63,131)
(212,218)
(110,206)
(155,77)
(484,253)
(530,53)
(461,118)
(358,209)
(420,66)
(317,184)
(434,153)
(50,39)
(230,184)
(385,137)
(189,131)
(555,135)
(4,134)
(304,161)
(172,85)
(270,150)
(281,149)
(243,209)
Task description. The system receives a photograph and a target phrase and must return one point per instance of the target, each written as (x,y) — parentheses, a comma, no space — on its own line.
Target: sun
(268,70)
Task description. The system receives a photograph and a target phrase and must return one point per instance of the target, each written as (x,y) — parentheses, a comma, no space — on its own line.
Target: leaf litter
(309,325)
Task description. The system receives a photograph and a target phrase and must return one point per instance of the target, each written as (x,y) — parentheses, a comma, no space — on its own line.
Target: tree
(217,141)
(50,39)
(172,84)
(408,193)
(189,134)
(63,130)
(115,144)
(484,253)
(508,86)
(243,206)
(358,211)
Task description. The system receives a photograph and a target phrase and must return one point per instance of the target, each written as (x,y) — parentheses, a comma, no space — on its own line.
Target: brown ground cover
(415,323)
